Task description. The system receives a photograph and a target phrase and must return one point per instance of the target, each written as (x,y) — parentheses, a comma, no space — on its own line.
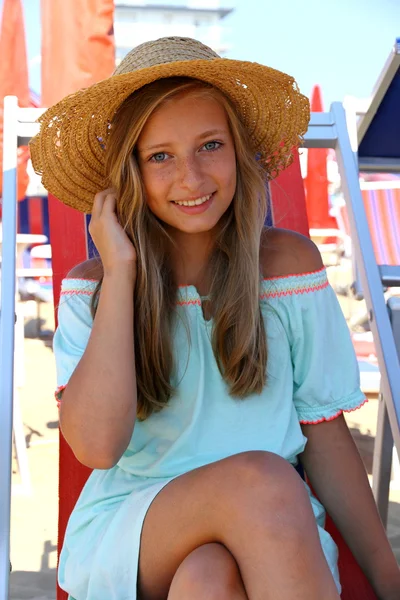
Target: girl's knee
(266,472)
(209,572)
(266,481)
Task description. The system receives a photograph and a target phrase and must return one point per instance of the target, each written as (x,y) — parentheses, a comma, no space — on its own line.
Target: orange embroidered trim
(294,284)
(340,412)
(58,394)
(76,291)
(290,292)
(70,286)
(191,302)
(297,286)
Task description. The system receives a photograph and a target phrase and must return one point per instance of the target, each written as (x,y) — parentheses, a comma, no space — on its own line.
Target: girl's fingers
(97,205)
(109,205)
(99,201)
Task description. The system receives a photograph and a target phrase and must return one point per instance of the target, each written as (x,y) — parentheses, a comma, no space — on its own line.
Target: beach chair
(33,216)
(73,475)
(288,210)
(382,207)
(37,282)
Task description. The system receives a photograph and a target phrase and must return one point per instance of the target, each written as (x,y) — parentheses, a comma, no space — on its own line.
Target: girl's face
(187,160)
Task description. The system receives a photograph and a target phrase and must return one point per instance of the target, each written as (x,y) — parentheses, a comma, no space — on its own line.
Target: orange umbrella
(77,46)
(14,78)
(316,181)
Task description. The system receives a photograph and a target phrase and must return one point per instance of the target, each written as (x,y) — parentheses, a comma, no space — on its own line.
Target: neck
(190,258)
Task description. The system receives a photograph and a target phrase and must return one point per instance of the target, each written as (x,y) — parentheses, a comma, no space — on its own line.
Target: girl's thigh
(210,504)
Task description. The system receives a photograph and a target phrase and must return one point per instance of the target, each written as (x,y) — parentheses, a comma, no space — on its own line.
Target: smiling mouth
(196,202)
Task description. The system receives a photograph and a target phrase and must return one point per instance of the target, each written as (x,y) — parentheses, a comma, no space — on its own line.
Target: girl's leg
(208,573)
(256,505)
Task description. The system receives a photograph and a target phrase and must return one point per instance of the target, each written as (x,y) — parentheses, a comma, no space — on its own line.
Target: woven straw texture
(69,151)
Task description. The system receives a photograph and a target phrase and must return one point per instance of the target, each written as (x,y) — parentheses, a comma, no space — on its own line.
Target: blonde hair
(238,333)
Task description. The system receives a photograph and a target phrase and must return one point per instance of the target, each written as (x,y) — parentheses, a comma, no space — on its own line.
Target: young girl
(202,355)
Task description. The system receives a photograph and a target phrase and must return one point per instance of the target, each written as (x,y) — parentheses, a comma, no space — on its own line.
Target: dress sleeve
(326,377)
(73,330)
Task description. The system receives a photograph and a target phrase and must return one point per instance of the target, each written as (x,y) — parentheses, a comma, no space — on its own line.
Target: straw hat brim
(69,150)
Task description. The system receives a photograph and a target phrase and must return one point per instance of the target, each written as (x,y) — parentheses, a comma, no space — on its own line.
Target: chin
(196,227)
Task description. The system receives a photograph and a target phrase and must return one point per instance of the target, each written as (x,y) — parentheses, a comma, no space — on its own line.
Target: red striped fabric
(382,208)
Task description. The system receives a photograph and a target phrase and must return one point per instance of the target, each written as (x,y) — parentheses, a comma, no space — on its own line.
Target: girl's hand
(115,248)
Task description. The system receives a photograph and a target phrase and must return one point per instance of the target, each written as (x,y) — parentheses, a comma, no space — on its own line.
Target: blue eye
(210,146)
(159,157)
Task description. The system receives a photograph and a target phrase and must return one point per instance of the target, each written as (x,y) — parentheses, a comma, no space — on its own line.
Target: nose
(190,174)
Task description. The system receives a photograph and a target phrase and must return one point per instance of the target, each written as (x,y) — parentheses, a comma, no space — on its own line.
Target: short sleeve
(73,329)
(326,378)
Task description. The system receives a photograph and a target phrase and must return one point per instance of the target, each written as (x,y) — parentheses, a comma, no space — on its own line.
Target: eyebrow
(205,134)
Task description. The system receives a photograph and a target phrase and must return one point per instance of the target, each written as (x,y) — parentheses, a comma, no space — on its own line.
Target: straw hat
(69,151)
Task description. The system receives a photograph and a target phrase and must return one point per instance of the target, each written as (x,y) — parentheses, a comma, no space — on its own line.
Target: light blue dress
(312,376)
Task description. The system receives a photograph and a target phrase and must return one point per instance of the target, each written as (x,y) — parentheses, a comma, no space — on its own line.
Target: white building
(138,21)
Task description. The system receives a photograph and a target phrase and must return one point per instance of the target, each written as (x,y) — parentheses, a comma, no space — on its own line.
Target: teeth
(194,202)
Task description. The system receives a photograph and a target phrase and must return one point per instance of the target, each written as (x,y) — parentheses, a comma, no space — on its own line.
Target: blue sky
(340,44)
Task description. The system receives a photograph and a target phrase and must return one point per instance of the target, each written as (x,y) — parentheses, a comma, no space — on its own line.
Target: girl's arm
(98,407)
(337,475)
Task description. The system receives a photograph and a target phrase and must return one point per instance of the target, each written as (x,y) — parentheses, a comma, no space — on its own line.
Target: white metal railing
(16,129)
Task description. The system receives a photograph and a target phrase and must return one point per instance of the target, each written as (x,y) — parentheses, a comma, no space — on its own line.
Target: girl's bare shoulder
(284,252)
(89,269)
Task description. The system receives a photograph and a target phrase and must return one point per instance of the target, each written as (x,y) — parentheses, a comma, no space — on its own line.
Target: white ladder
(329,130)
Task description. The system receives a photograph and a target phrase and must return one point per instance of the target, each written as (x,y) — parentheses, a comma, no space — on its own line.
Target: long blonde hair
(238,333)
